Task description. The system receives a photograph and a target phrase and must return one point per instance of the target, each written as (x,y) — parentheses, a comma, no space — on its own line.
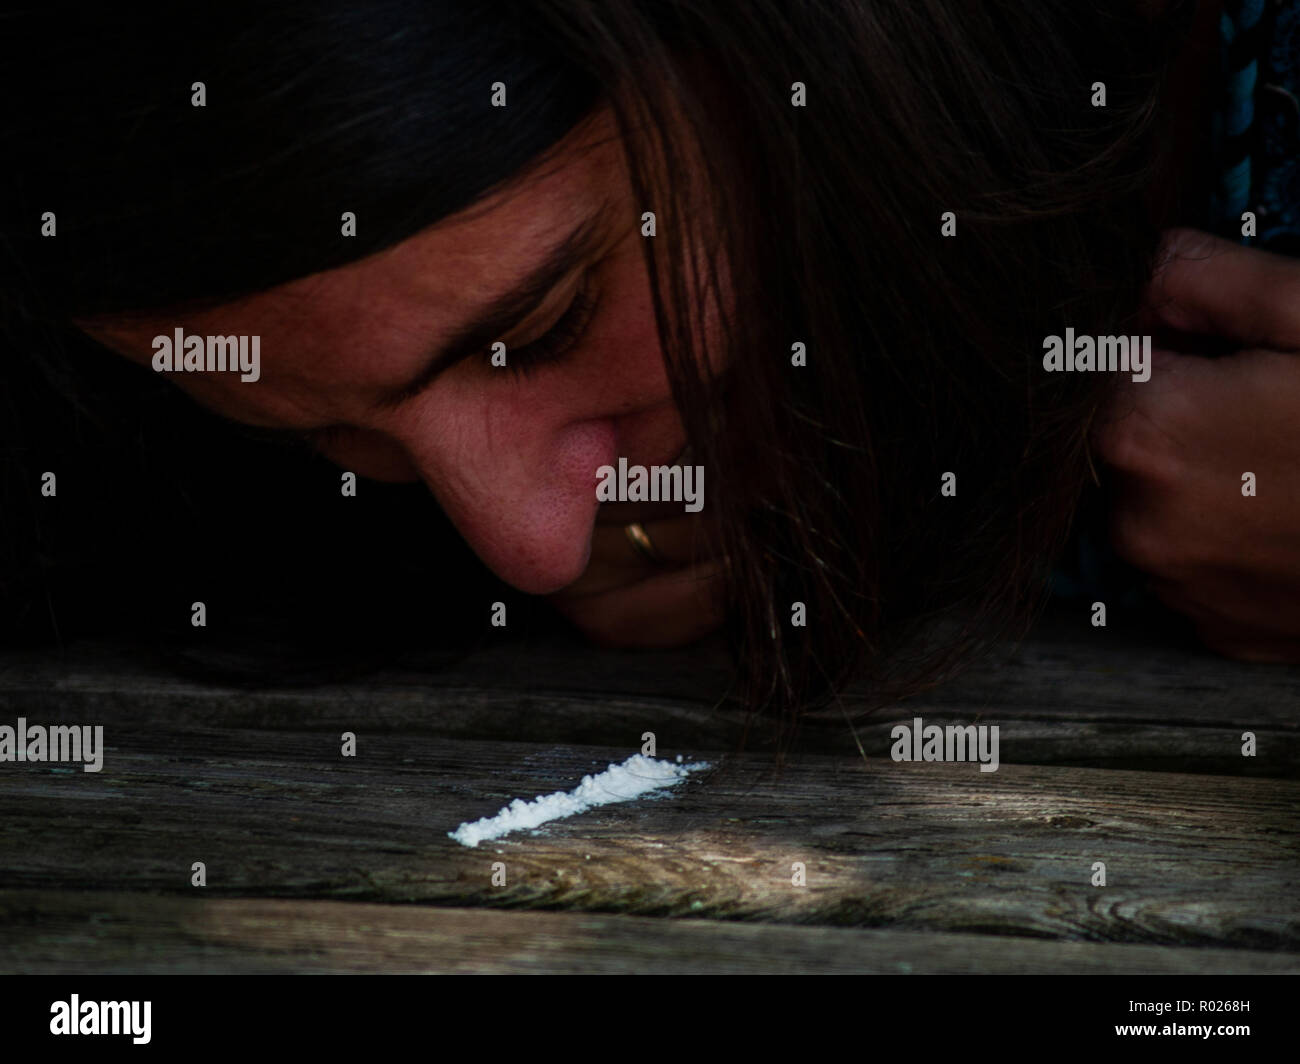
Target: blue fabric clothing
(1257,124)
(1276,189)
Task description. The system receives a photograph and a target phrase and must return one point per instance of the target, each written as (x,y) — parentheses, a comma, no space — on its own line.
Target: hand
(623,599)
(1180,443)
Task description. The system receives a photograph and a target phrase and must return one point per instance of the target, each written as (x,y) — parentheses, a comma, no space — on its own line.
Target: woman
(819,245)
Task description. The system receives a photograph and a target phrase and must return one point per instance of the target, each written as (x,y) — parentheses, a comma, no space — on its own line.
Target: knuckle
(1143,442)
(1115,445)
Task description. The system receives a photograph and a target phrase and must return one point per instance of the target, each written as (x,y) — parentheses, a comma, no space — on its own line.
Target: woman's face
(351,356)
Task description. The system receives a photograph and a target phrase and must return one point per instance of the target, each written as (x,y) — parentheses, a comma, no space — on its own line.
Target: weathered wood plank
(1191,860)
(106,933)
(1116,697)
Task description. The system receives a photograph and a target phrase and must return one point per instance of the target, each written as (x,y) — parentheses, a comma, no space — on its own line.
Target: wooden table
(1117,745)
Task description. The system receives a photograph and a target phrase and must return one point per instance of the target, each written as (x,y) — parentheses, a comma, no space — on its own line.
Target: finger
(1141,428)
(1204,284)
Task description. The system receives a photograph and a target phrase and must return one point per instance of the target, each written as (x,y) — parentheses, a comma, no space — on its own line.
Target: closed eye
(559,339)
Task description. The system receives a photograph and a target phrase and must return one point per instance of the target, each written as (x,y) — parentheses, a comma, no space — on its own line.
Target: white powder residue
(636,776)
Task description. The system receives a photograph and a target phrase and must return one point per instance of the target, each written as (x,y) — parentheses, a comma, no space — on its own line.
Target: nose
(528,510)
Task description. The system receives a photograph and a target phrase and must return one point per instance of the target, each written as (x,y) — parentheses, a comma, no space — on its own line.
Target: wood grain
(1117,745)
(1191,860)
(1070,695)
(108,933)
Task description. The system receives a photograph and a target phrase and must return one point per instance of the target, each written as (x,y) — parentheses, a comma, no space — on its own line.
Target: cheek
(368,454)
(627,373)
(628,338)
(620,363)
(245,403)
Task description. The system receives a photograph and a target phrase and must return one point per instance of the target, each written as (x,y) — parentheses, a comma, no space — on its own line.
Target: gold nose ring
(642,543)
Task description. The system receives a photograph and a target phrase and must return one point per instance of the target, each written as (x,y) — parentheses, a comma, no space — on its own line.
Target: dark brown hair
(923,350)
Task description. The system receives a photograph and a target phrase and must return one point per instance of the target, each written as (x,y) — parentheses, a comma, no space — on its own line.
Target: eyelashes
(559,339)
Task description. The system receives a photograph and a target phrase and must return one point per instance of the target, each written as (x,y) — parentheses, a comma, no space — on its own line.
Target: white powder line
(636,776)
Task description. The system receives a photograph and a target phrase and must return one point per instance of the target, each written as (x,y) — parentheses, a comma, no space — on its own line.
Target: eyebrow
(505,311)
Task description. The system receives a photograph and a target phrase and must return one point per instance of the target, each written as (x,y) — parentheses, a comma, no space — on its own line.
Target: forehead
(411,296)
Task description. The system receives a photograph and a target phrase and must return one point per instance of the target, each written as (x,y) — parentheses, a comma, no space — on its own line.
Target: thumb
(1209,286)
